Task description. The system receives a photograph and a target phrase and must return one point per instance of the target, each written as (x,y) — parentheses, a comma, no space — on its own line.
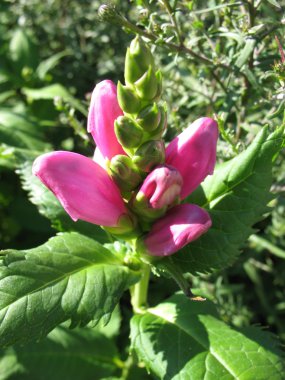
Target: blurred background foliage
(222,58)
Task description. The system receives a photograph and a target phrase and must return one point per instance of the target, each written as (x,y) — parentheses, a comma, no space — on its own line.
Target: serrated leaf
(236,197)
(49,206)
(52,91)
(65,354)
(185,340)
(69,277)
(112,328)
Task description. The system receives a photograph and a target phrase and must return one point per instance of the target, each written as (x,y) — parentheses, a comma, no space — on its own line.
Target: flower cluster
(133,186)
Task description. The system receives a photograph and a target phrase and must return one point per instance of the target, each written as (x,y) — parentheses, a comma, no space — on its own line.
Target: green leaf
(236,197)
(11,157)
(22,50)
(215,7)
(182,339)
(49,206)
(52,91)
(20,131)
(243,56)
(49,63)
(275,3)
(69,277)
(112,329)
(65,354)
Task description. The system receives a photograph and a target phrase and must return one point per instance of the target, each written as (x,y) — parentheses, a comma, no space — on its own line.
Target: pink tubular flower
(83,188)
(161,187)
(193,153)
(181,225)
(104,110)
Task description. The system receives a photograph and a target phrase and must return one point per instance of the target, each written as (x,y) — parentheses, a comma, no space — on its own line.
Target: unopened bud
(138,60)
(149,117)
(157,133)
(124,173)
(128,100)
(128,132)
(109,13)
(160,190)
(146,86)
(158,76)
(149,154)
(186,222)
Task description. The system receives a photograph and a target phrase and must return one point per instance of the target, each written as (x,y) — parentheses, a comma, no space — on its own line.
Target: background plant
(217,58)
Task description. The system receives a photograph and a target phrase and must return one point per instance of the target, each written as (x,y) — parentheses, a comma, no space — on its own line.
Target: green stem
(140,290)
(172,16)
(175,272)
(176,48)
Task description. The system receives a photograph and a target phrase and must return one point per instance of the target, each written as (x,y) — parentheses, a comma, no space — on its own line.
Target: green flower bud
(149,154)
(109,13)
(124,173)
(132,71)
(157,133)
(158,76)
(127,227)
(149,117)
(128,100)
(138,60)
(128,132)
(147,86)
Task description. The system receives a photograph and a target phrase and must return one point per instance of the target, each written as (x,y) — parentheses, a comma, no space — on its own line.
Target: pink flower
(104,110)
(87,192)
(181,225)
(193,153)
(83,188)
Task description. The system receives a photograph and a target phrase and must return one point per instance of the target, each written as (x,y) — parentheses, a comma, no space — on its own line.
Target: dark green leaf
(236,197)
(49,63)
(19,131)
(244,54)
(65,354)
(182,339)
(51,92)
(22,50)
(11,157)
(69,277)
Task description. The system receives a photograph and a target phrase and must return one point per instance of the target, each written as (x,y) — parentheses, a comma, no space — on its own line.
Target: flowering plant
(163,210)
(134,186)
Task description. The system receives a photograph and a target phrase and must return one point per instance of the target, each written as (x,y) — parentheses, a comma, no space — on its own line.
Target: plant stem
(172,16)
(174,47)
(140,290)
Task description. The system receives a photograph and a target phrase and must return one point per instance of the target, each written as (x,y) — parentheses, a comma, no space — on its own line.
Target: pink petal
(83,188)
(193,153)
(104,110)
(181,225)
